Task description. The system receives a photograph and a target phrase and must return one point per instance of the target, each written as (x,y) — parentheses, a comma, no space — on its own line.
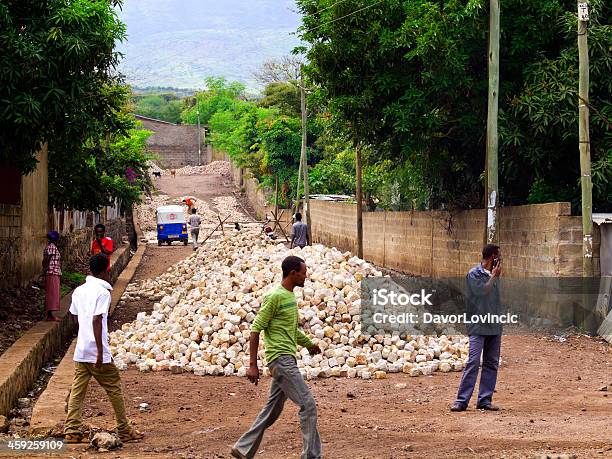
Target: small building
(176,145)
(23,221)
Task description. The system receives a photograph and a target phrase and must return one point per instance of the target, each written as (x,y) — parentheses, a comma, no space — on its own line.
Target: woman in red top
(102,244)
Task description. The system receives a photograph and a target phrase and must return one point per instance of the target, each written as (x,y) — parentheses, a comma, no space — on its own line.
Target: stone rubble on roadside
(225,206)
(205,304)
(104,441)
(215,167)
(228,206)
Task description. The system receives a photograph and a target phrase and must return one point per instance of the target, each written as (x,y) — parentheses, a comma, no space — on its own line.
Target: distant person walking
(485,338)
(299,233)
(52,272)
(92,355)
(194,224)
(278,319)
(102,243)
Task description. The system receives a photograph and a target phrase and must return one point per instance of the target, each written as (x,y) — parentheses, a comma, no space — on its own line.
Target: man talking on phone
(485,338)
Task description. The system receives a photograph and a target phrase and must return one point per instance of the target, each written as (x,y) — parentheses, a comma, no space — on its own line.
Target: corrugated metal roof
(602,218)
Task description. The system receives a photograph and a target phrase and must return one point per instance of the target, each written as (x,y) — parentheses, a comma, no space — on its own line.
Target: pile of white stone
(214,168)
(228,207)
(205,304)
(145,211)
(217,167)
(224,205)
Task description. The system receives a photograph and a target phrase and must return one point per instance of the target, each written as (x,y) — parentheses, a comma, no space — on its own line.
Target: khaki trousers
(108,378)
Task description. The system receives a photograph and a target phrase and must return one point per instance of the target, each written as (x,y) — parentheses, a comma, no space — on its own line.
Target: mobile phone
(495,263)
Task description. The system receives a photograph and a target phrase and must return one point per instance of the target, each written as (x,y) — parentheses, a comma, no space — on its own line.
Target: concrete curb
(48,412)
(21,363)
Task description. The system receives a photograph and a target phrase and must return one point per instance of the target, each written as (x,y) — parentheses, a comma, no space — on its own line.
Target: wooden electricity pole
(304,154)
(584,141)
(359,199)
(492,197)
(303,148)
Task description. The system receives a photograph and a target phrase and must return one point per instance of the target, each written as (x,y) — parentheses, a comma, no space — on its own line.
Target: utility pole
(584,141)
(304,153)
(359,199)
(492,114)
(199,139)
(204,143)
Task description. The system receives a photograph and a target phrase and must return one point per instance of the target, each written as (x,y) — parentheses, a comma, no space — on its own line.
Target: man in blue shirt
(485,338)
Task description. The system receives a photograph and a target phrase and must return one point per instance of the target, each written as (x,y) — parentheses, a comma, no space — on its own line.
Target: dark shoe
(488,407)
(458,407)
(238,454)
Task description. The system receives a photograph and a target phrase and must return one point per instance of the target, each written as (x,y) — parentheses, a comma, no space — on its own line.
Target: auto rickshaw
(171,225)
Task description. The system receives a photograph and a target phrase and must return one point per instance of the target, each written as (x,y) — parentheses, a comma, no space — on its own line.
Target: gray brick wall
(176,145)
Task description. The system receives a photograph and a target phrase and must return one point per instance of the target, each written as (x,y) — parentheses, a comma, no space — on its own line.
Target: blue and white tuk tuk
(171,225)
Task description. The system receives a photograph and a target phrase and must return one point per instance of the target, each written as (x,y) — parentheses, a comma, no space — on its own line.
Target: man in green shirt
(278,319)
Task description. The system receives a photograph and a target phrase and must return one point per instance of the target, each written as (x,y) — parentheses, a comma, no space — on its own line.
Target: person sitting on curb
(92,356)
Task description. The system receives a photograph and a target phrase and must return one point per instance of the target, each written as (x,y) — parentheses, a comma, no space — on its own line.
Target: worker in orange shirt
(189,203)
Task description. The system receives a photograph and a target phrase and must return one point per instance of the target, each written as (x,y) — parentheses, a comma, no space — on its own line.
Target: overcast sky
(180,42)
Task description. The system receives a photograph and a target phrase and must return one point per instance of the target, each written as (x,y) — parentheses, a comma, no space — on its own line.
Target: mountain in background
(178,43)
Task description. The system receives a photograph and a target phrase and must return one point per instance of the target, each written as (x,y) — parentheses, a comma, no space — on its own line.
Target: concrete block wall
(175,144)
(260,198)
(538,240)
(541,240)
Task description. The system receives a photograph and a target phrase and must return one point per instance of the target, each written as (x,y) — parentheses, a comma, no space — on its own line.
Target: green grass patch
(72,279)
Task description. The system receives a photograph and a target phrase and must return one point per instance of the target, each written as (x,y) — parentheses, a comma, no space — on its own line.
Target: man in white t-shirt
(92,356)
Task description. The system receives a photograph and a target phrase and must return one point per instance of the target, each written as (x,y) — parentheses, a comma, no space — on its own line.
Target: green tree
(90,171)
(407,80)
(283,96)
(539,130)
(219,95)
(165,107)
(57,63)
(281,141)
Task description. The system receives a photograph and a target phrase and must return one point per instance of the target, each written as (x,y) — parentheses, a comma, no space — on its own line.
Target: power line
(324,9)
(345,16)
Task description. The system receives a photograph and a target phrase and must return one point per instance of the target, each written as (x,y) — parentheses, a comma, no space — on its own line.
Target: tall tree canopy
(408,80)
(59,85)
(57,63)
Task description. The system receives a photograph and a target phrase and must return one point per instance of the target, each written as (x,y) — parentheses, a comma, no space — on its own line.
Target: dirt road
(549,391)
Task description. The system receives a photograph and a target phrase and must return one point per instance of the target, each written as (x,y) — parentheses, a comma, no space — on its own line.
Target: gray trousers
(489,347)
(195,232)
(287,383)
